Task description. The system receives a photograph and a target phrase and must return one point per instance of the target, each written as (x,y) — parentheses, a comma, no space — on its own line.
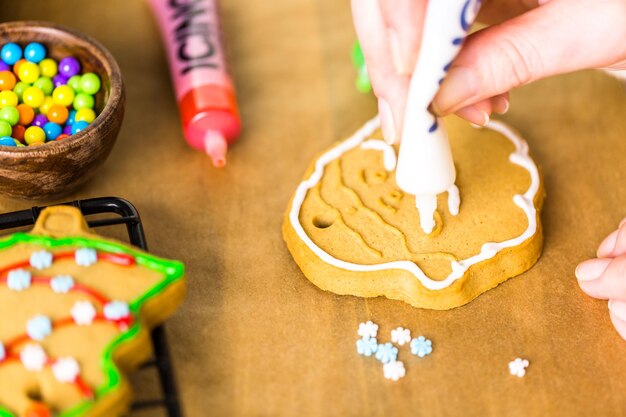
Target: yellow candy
(34,134)
(28,72)
(33,96)
(85,115)
(45,106)
(63,95)
(48,67)
(8,98)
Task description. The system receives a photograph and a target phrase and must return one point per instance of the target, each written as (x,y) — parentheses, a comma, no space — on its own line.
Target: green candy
(45,84)
(19,89)
(74,82)
(83,101)
(10,115)
(5,129)
(90,83)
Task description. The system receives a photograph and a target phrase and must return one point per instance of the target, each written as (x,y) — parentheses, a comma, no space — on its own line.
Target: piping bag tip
(215,146)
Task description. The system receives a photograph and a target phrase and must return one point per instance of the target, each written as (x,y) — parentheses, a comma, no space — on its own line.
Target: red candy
(18,132)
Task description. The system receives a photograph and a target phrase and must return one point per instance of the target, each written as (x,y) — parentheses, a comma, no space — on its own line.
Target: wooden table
(254,337)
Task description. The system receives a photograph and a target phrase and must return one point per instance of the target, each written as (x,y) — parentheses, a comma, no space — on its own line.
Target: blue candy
(7,141)
(78,126)
(11,53)
(53,130)
(71,118)
(34,52)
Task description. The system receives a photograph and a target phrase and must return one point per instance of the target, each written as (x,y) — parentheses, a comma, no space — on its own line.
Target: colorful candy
(42,100)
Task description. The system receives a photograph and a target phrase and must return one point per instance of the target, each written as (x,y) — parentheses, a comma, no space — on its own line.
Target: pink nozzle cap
(215,146)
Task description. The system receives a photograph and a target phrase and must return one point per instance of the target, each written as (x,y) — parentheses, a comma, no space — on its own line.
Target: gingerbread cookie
(351,230)
(75,310)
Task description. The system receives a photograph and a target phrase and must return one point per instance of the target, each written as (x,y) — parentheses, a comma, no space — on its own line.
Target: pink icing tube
(204,89)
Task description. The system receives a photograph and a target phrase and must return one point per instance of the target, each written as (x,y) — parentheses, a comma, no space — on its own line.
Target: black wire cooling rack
(128,216)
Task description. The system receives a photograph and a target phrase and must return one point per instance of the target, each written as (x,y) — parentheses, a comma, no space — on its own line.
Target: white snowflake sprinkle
(33,357)
(66,369)
(394,370)
(368,329)
(518,367)
(400,336)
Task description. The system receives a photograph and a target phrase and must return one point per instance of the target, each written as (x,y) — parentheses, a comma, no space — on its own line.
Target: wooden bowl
(58,168)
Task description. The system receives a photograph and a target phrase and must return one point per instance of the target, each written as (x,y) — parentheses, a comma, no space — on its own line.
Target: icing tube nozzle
(215,145)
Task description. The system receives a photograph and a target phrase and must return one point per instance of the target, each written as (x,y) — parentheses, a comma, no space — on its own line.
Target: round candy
(11,53)
(10,115)
(71,117)
(59,80)
(33,96)
(34,134)
(5,129)
(28,72)
(44,84)
(83,101)
(7,80)
(8,98)
(4,66)
(90,83)
(62,136)
(47,103)
(57,114)
(67,130)
(19,89)
(52,130)
(40,120)
(27,114)
(48,67)
(69,66)
(17,65)
(85,115)
(74,82)
(7,141)
(35,52)
(18,132)
(63,95)
(78,126)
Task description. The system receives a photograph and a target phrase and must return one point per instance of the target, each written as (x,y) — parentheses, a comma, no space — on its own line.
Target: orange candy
(57,114)
(62,136)
(37,409)
(17,132)
(17,65)
(26,114)
(7,80)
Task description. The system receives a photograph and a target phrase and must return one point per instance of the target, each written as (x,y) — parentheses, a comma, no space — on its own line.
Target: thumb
(558,37)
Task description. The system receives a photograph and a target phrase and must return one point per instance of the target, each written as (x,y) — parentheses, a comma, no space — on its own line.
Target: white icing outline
(526,202)
(389,154)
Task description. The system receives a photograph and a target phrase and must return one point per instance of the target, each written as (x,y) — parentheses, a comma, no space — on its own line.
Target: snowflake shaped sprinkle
(85,256)
(83,313)
(116,310)
(394,370)
(33,357)
(3,352)
(66,369)
(41,259)
(421,346)
(386,352)
(62,284)
(368,329)
(39,327)
(18,279)
(401,336)
(518,367)
(366,347)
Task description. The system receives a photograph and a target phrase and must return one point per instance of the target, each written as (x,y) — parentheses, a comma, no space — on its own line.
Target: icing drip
(389,153)
(426,205)
(454,200)
(525,202)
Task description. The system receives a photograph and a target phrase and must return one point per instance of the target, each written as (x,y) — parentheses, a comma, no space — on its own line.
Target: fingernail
(457,89)
(607,245)
(500,105)
(474,115)
(386,121)
(618,308)
(399,59)
(542,2)
(591,269)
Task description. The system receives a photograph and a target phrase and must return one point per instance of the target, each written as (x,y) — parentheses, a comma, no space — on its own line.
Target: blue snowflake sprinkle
(18,279)
(41,259)
(62,284)
(39,327)
(366,347)
(85,256)
(421,346)
(3,352)
(386,352)
(116,310)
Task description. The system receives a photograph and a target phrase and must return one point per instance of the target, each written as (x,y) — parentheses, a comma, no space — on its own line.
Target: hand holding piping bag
(526,42)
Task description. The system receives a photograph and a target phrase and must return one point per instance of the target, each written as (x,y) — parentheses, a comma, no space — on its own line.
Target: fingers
(480,112)
(617,311)
(544,41)
(615,243)
(389,86)
(603,277)
(404,22)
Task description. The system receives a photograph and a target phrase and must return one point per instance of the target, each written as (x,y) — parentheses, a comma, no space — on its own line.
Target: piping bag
(203,86)
(425,166)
